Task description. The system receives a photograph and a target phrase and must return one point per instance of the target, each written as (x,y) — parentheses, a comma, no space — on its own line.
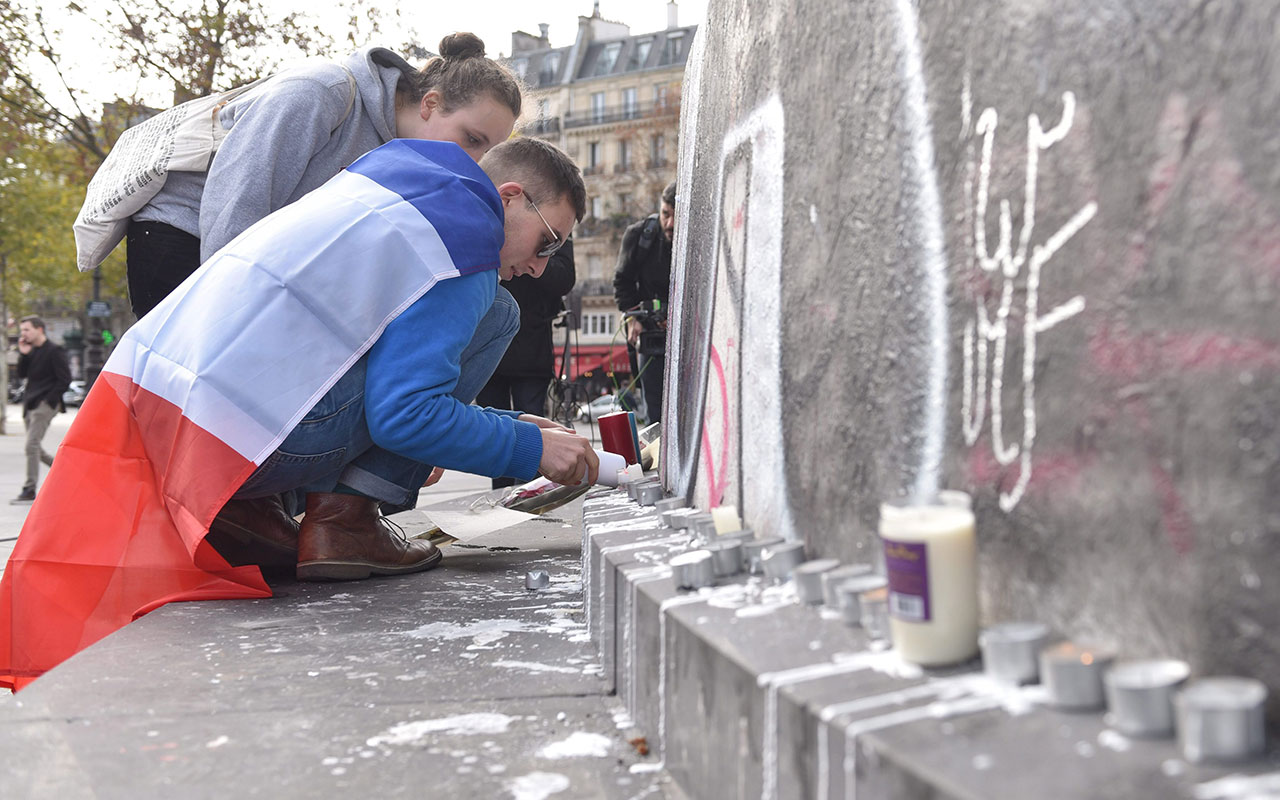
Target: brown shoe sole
(336,570)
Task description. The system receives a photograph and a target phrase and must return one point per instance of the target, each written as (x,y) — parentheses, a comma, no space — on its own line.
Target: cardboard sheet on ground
(467,518)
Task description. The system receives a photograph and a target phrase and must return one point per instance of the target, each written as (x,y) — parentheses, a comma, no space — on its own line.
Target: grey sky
(493,21)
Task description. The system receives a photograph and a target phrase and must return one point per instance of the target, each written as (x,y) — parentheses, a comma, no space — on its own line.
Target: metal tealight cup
(808,579)
(1011,651)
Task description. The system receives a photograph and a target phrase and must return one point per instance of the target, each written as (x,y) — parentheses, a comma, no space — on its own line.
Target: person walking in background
(522,377)
(642,282)
(298,130)
(44,366)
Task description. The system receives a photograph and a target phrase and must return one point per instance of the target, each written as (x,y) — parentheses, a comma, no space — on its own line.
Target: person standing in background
(44,366)
(522,377)
(642,283)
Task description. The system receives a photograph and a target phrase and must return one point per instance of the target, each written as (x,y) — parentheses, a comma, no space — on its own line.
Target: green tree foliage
(53,134)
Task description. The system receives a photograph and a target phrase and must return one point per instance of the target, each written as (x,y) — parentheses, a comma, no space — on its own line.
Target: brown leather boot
(255,532)
(344,538)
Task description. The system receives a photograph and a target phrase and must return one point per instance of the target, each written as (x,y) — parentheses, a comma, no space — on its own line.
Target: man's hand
(634,327)
(434,477)
(24,346)
(543,422)
(566,456)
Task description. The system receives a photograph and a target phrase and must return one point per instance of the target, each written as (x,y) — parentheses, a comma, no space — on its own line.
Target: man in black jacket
(520,382)
(48,375)
(643,282)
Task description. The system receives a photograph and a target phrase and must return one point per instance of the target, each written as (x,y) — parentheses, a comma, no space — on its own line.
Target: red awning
(591,358)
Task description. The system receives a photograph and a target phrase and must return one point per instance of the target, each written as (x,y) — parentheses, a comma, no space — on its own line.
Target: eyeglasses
(556,242)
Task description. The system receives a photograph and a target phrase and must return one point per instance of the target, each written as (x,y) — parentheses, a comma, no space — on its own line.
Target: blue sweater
(414,366)
(412,371)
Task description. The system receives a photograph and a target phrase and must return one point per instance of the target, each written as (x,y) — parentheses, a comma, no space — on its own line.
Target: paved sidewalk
(13,471)
(449,684)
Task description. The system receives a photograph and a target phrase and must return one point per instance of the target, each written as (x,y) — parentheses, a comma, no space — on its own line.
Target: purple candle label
(907,565)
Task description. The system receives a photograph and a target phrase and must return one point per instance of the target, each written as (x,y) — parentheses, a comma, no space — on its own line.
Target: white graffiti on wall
(764,485)
(986,339)
(927,215)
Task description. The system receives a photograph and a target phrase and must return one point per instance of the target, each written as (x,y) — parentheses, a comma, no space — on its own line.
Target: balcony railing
(542,126)
(611,114)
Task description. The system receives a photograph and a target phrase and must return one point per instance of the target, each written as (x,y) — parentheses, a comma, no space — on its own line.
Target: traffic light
(107,336)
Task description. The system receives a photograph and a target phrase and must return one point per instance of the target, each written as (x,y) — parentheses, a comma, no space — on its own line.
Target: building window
(658,150)
(607,58)
(520,66)
(624,203)
(597,106)
(624,155)
(593,267)
(550,68)
(640,55)
(597,207)
(659,94)
(671,48)
(630,107)
(599,323)
(593,155)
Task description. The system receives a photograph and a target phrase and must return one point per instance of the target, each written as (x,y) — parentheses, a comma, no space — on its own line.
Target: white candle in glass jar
(931,561)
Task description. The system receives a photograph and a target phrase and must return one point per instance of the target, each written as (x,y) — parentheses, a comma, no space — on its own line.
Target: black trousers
(517,394)
(158,258)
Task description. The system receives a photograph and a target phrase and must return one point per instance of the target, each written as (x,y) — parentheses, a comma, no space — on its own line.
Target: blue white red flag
(202,389)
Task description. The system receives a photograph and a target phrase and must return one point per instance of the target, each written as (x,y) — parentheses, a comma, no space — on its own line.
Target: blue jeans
(331,444)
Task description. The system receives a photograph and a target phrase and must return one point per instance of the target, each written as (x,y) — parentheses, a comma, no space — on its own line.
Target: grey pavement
(449,683)
(13,471)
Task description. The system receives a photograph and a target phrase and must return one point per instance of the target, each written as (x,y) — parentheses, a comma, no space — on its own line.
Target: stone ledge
(746,693)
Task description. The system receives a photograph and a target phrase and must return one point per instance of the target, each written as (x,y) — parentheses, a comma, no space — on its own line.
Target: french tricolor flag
(202,389)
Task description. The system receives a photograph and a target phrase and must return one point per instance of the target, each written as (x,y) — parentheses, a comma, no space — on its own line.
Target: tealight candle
(670,504)
(1073,675)
(633,488)
(832,580)
(693,570)
(808,579)
(1011,651)
(931,561)
(677,518)
(778,560)
(753,550)
(1140,695)
(726,557)
(850,593)
(704,525)
(1222,719)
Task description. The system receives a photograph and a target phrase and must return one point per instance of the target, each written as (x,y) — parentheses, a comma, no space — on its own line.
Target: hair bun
(462,45)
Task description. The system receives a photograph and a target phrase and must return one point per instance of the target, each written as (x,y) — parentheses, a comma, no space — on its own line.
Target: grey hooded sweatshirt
(284,138)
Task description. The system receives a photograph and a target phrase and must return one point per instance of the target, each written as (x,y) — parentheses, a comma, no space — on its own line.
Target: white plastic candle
(931,561)
(727,519)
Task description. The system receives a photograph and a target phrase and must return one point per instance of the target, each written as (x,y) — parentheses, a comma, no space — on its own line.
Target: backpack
(182,139)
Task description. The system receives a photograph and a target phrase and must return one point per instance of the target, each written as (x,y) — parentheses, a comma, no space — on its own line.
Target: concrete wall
(1026,249)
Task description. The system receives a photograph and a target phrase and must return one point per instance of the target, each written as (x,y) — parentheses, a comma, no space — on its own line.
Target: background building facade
(611,100)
